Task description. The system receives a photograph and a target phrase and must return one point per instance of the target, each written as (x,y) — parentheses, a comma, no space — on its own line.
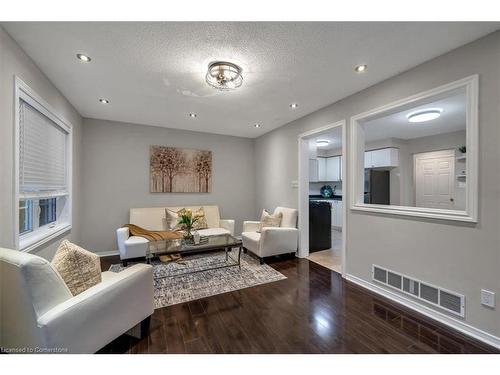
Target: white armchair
(37,310)
(272,240)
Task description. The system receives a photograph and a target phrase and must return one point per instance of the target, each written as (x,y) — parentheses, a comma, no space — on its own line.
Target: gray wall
(14,62)
(116,176)
(460,257)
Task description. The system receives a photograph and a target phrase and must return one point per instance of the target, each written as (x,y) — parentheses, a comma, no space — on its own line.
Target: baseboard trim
(108,253)
(449,321)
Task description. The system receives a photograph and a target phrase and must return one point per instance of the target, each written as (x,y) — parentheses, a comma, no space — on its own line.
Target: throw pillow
(201,223)
(268,220)
(79,268)
(172,219)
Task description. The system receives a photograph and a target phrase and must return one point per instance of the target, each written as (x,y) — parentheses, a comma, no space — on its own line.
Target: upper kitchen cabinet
(383,158)
(313,170)
(329,169)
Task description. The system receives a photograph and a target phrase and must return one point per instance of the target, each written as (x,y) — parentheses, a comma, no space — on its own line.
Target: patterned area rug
(175,283)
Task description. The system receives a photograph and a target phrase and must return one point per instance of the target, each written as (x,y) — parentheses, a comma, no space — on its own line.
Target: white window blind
(42,155)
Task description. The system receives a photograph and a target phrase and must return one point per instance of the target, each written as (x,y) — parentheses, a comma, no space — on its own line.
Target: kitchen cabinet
(322,169)
(336,213)
(383,158)
(330,169)
(313,170)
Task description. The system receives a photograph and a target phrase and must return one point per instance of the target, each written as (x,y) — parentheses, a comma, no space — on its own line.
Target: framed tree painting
(180,170)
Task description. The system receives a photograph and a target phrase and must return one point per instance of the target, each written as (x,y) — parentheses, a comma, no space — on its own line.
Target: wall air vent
(439,297)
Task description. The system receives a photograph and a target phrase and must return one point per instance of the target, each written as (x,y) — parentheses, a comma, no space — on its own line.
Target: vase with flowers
(186,221)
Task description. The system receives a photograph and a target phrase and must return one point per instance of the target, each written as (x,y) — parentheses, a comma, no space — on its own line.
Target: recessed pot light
(360,68)
(193,115)
(103,101)
(82,57)
(424,115)
(294,105)
(322,142)
(256,125)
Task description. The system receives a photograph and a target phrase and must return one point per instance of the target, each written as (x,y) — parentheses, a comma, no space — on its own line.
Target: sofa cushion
(213,231)
(80,269)
(268,220)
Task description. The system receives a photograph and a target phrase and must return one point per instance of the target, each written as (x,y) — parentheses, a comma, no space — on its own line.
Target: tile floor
(330,258)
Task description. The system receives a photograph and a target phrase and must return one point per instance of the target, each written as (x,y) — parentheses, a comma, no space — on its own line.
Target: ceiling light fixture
(424,115)
(360,68)
(257,126)
(322,142)
(104,101)
(294,105)
(83,57)
(224,75)
(193,115)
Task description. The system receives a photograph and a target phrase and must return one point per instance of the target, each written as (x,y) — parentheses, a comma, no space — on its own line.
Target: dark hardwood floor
(313,311)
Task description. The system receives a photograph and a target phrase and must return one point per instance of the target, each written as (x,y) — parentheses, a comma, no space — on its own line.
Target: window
(43,169)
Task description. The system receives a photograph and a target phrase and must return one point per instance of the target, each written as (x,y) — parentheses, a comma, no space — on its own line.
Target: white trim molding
(303,192)
(357,143)
(443,318)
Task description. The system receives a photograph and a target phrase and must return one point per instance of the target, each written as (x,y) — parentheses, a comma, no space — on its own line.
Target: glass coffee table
(224,242)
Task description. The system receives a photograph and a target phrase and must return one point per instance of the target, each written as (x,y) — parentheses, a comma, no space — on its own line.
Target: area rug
(174,283)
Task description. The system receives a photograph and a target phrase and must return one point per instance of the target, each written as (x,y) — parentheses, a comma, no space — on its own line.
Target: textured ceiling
(153,73)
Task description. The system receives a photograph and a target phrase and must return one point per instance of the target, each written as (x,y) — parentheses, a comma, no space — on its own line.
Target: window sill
(32,241)
(431,213)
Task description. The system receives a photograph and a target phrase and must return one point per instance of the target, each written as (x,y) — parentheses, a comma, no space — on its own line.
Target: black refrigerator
(320,227)
(377,187)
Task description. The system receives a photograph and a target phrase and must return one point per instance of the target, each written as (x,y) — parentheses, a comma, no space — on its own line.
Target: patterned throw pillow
(172,219)
(268,220)
(201,223)
(79,268)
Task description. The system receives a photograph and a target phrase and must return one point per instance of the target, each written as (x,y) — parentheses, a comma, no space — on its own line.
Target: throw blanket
(153,235)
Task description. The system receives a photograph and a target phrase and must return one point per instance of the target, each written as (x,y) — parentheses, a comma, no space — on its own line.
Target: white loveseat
(154,218)
(39,313)
(272,240)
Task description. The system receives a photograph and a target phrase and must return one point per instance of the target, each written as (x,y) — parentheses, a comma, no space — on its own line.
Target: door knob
(452,200)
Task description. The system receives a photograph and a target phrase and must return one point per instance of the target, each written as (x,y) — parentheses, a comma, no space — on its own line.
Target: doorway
(323,186)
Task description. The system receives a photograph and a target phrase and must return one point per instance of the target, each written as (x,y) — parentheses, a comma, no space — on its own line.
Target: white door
(435,179)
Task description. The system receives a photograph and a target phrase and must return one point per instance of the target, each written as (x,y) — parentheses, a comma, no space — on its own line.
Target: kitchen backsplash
(314,187)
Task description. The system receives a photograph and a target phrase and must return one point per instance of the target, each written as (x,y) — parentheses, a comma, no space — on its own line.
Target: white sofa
(272,240)
(37,310)
(154,218)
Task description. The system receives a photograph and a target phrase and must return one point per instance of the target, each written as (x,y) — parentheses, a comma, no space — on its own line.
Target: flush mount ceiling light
(322,142)
(294,105)
(224,75)
(83,57)
(424,115)
(256,126)
(103,101)
(193,115)
(360,68)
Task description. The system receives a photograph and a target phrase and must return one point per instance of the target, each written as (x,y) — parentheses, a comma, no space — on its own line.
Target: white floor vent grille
(445,299)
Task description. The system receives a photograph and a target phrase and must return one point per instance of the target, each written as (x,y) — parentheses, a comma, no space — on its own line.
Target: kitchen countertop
(314,197)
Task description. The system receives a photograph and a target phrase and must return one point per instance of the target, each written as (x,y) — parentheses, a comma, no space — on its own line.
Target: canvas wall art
(180,170)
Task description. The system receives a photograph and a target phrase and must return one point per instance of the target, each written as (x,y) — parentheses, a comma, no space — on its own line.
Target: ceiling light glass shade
(322,142)
(224,75)
(424,115)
